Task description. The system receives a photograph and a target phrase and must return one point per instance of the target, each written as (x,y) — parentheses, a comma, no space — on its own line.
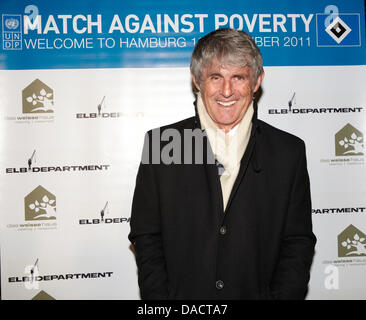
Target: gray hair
(227,46)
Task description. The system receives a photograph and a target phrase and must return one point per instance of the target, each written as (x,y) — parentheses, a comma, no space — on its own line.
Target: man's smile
(226,104)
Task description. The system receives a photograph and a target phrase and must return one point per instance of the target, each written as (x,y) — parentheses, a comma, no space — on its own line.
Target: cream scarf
(228,148)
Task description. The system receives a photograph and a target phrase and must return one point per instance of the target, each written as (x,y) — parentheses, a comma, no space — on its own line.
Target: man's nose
(227,89)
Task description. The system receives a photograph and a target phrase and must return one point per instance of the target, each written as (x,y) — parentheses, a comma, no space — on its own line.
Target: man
(238,227)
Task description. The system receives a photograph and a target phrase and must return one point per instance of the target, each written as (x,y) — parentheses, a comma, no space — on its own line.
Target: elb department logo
(338,29)
(12,31)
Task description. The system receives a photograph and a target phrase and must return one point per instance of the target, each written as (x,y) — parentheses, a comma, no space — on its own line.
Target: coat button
(219,284)
(223,230)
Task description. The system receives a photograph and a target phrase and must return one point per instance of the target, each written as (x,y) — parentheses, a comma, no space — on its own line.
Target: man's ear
(195,82)
(259,81)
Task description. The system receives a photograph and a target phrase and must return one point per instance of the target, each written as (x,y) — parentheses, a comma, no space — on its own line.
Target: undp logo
(12,31)
(341,30)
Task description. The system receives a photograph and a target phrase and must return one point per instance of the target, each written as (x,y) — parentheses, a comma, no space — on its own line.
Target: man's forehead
(225,67)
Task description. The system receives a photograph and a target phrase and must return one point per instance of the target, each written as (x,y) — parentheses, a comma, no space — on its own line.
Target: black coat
(261,247)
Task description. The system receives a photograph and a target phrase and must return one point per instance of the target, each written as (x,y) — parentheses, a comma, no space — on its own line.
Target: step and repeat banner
(81,83)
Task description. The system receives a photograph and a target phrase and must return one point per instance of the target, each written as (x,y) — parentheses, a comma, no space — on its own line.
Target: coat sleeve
(292,274)
(145,236)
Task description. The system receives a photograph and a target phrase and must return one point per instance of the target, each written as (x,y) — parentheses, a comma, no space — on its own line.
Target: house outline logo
(43,295)
(37,97)
(349,141)
(40,204)
(351,242)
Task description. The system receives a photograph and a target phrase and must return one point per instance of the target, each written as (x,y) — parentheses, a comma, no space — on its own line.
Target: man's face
(227,91)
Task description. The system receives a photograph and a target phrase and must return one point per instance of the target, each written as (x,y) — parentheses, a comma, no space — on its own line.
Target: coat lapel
(211,172)
(243,168)
(214,185)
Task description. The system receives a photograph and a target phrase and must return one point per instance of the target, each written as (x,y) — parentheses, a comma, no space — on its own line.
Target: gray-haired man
(236,228)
